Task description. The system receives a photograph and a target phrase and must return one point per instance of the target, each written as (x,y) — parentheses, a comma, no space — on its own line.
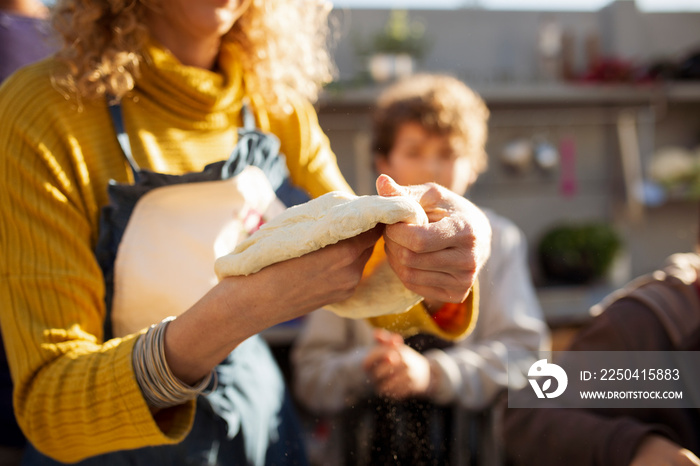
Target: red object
(451,316)
(567,182)
(617,71)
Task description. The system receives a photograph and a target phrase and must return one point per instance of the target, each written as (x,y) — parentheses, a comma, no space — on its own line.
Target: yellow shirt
(75,395)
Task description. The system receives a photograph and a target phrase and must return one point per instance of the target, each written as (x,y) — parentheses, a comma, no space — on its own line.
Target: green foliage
(400,35)
(578,253)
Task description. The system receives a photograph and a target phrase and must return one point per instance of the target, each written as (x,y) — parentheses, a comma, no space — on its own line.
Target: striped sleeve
(75,396)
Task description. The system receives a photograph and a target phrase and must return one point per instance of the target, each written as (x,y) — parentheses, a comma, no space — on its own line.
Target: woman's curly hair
(285,45)
(441,104)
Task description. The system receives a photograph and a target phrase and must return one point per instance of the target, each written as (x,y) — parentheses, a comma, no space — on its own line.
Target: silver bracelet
(159,386)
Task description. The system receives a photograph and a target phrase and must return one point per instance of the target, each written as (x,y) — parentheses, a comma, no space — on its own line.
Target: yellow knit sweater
(75,395)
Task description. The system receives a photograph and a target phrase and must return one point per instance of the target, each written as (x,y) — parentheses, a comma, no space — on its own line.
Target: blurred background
(594,144)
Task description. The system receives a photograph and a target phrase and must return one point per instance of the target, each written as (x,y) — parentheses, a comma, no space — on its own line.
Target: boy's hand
(439,261)
(396,370)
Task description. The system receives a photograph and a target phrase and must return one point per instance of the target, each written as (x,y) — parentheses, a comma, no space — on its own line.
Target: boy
(427,128)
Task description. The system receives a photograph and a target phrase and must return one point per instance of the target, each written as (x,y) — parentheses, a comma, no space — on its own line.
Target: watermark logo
(604,379)
(544,369)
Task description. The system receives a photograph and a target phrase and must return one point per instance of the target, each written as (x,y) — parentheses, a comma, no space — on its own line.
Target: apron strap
(247,115)
(115,112)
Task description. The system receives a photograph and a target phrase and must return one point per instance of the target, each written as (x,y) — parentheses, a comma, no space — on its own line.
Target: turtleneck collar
(206,99)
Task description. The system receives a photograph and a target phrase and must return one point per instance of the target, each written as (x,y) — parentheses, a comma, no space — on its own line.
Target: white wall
(480,45)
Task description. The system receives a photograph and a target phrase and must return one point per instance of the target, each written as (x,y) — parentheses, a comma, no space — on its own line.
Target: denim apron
(159,238)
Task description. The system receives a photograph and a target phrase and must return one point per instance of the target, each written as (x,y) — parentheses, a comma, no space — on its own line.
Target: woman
(180,73)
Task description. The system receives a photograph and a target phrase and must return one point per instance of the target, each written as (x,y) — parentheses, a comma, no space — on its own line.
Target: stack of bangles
(159,386)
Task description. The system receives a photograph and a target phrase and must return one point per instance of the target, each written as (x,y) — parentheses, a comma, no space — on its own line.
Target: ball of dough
(323,221)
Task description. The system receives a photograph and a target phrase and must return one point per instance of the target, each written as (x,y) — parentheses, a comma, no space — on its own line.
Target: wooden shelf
(543,93)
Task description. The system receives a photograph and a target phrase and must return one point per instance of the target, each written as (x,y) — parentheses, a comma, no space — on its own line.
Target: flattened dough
(323,221)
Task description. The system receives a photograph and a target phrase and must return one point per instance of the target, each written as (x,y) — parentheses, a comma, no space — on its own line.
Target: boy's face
(420,157)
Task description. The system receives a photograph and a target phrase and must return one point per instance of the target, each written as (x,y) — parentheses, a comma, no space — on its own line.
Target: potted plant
(578,254)
(393,51)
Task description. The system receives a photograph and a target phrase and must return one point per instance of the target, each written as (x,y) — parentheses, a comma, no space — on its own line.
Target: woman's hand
(241,306)
(396,370)
(439,261)
(325,276)
(656,450)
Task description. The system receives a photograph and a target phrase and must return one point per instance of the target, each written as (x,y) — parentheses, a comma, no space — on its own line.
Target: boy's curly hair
(285,45)
(442,105)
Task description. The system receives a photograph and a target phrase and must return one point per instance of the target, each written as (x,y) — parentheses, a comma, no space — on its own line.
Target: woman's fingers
(440,260)
(325,276)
